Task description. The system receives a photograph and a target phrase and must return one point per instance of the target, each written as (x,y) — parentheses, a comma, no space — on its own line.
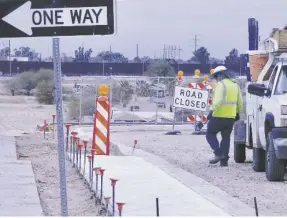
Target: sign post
(60,124)
(178,82)
(46,18)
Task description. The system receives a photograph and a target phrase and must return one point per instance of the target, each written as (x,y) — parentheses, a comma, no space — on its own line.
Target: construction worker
(227,103)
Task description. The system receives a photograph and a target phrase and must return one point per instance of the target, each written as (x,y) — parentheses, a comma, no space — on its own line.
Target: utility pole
(195,42)
(10,68)
(110,53)
(179,51)
(174,52)
(164,52)
(169,50)
(137,50)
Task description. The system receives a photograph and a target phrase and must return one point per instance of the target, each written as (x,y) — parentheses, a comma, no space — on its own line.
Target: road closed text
(193,99)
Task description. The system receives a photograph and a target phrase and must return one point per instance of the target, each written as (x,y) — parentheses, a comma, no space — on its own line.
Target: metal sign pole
(156,109)
(60,125)
(174,132)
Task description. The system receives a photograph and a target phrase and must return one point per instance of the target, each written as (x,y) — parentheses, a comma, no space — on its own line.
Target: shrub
(27,81)
(13,85)
(122,93)
(45,86)
(160,68)
(44,75)
(74,109)
(87,107)
(45,92)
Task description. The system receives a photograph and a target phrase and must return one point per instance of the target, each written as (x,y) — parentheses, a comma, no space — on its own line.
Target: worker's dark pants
(224,126)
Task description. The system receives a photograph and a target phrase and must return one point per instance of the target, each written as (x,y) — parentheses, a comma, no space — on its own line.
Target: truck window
(281,86)
(269,72)
(272,78)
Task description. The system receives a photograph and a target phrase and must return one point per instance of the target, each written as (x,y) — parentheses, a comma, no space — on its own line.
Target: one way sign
(37,18)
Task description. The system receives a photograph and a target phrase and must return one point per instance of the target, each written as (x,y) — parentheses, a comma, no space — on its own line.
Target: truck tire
(275,168)
(239,153)
(258,164)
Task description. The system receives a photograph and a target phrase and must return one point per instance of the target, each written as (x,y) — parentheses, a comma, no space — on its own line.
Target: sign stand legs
(60,127)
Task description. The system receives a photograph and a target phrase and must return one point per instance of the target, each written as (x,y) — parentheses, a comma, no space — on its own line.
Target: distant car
(134,108)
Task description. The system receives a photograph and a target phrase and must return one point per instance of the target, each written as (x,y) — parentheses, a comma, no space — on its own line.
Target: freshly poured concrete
(140,183)
(144,177)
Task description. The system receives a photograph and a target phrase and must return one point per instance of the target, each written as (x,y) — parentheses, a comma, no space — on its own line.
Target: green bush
(45,92)
(74,109)
(27,81)
(45,86)
(13,85)
(122,93)
(87,107)
(160,68)
(44,75)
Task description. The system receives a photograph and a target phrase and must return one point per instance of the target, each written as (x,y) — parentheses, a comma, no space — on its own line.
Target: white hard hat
(219,69)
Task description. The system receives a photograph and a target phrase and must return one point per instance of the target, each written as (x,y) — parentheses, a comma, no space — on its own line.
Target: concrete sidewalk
(18,191)
(144,176)
(140,183)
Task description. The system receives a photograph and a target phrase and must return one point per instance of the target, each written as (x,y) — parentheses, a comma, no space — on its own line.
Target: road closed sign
(191,99)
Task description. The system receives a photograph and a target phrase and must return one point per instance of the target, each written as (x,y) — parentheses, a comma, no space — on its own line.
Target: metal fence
(134,100)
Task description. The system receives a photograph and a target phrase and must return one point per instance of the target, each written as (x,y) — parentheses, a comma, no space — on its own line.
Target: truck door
(265,105)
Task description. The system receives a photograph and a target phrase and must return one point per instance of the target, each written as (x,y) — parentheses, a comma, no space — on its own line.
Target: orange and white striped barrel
(101,131)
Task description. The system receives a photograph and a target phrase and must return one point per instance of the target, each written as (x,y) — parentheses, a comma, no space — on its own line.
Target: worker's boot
(216,159)
(224,163)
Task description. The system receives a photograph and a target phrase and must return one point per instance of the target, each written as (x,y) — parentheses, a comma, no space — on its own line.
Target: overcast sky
(220,25)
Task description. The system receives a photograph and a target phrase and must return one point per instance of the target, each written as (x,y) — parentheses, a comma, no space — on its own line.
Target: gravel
(191,153)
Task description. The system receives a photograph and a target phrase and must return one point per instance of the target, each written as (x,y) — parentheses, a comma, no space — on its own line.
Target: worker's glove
(209,116)
(237,117)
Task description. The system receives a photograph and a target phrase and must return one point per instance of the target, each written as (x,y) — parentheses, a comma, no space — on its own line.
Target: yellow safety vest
(225,99)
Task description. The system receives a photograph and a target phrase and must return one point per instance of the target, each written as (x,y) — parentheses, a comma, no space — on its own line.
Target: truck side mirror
(257,89)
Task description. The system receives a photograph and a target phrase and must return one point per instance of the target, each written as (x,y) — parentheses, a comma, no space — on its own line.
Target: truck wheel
(239,153)
(274,167)
(258,163)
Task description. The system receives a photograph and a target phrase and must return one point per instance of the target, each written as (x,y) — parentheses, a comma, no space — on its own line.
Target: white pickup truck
(265,129)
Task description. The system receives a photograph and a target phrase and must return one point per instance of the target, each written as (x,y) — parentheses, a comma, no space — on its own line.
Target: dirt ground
(43,154)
